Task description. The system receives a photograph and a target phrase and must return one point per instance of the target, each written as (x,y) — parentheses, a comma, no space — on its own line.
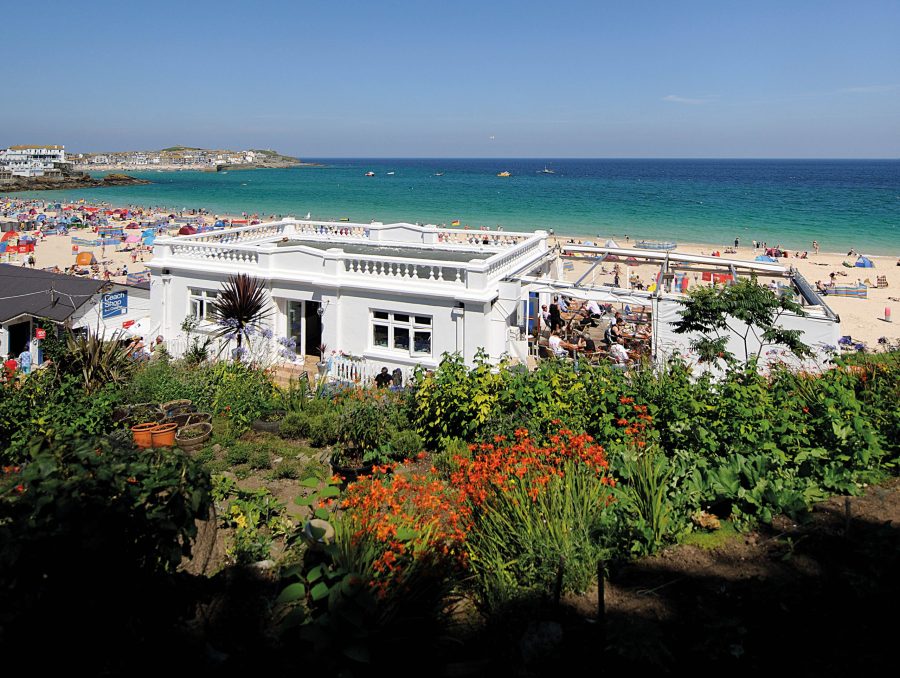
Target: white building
(400,295)
(394,295)
(34,161)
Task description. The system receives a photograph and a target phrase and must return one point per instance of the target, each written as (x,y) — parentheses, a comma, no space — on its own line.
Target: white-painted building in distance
(400,295)
(34,161)
(394,295)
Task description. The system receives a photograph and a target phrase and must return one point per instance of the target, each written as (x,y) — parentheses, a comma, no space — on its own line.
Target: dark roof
(20,288)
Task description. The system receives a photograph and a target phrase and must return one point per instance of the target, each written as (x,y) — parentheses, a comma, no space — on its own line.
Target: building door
(19,338)
(313,322)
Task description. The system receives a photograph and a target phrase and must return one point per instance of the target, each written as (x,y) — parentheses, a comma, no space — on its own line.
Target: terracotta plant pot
(164,435)
(190,443)
(142,434)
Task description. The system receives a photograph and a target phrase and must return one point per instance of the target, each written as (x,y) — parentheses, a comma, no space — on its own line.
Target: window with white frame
(402,332)
(202,306)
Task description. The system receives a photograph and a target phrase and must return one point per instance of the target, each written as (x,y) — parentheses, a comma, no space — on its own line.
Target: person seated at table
(559,347)
(618,354)
(383,379)
(586,344)
(593,308)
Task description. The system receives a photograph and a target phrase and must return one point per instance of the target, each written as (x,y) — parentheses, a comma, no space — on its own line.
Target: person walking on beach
(736,241)
(816,246)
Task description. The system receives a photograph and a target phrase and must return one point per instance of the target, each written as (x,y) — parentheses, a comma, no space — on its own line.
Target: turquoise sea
(841,203)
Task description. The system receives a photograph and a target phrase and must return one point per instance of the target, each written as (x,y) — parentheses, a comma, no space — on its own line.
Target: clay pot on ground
(164,435)
(193,436)
(168,407)
(142,434)
(267,426)
(200,418)
(180,419)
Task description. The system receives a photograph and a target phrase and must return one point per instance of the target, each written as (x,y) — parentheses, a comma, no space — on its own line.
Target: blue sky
(792,78)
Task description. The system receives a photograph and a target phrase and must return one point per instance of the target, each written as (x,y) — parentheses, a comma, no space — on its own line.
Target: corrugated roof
(21,293)
(22,147)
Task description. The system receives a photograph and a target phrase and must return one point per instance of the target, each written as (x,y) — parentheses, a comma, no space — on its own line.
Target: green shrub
(406,444)
(51,406)
(295,425)
(85,520)
(287,469)
(324,429)
(238,453)
(260,458)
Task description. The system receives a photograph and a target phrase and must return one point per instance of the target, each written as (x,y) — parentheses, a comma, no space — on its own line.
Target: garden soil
(813,598)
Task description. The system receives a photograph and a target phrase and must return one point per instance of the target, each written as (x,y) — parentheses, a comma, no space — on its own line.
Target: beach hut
(85,259)
(864,262)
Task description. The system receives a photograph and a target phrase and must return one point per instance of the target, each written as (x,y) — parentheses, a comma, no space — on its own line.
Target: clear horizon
(576,80)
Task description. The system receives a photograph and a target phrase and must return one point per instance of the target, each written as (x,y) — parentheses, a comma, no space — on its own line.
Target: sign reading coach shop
(114,303)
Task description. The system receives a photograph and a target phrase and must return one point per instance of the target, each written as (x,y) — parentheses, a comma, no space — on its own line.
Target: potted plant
(163,435)
(269,421)
(193,436)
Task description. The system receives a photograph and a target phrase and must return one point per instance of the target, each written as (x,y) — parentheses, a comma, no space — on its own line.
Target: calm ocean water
(840,203)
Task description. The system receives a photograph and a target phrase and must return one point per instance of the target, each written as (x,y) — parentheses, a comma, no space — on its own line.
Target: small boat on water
(438,174)
(370,174)
(504,174)
(345,218)
(390,174)
(547,170)
(655,245)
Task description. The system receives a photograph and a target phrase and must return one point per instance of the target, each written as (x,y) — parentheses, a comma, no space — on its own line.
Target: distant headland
(66,181)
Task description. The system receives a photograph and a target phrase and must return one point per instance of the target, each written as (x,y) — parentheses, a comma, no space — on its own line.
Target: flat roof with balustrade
(439,261)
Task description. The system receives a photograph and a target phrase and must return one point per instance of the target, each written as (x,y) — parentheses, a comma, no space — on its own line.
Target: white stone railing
(404,269)
(487,238)
(330,229)
(239,234)
(254,246)
(226,253)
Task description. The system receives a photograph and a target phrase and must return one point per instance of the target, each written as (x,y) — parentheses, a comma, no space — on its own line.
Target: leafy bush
(51,406)
(87,518)
(406,443)
(295,425)
(238,453)
(324,429)
(260,458)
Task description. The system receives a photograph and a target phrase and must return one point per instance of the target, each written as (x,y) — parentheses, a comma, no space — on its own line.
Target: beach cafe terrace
(648,311)
(387,295)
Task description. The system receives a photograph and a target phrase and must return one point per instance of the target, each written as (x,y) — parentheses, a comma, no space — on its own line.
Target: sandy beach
(861,319)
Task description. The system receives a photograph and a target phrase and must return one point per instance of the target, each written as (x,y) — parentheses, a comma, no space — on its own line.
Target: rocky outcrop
(65,182)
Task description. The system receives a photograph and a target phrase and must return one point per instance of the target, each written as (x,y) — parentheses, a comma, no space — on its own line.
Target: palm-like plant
(99,361)
(240,307)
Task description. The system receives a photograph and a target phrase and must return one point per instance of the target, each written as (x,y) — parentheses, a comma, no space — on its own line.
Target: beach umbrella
(32,211)
(187,230)
(42,217)
(133,237)
(9,235)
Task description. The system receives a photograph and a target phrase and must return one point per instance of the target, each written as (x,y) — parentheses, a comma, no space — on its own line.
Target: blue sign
(114,303)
